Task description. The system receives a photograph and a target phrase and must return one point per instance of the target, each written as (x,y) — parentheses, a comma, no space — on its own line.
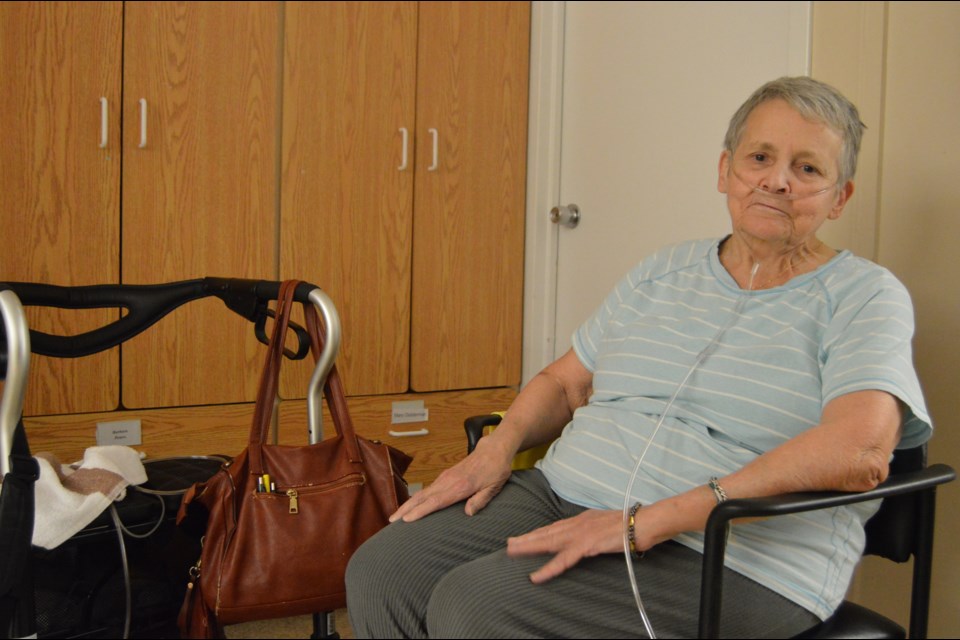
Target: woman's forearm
(544,406)
(848,451)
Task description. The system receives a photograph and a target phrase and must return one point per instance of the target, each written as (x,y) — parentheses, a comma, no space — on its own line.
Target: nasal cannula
(704,353)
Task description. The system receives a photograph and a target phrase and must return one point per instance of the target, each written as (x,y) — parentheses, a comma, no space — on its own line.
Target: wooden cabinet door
(199,187)
(472,80)
(347,189)
(60,171)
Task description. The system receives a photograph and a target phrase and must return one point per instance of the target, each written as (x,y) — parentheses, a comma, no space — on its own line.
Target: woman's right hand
(477,479)
(535,417)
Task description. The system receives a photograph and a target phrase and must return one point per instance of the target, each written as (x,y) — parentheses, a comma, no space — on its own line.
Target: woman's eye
(809,169)
(759,157)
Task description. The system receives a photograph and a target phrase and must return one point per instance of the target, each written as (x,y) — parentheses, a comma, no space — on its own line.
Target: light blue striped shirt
(789,351)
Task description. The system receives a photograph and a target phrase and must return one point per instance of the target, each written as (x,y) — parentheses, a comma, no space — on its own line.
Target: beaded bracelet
(631,537)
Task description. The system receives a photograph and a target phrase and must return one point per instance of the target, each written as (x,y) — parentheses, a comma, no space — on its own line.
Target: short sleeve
(868,345)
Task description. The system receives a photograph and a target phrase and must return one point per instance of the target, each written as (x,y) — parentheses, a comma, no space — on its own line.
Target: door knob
(566,215)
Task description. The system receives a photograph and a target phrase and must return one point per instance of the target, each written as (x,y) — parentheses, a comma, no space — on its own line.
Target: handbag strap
(270,374)
(270,380)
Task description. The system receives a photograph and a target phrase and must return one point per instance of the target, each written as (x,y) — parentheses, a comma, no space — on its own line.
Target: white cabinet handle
(434,137)
(103,123)
(403,151)
(143,123)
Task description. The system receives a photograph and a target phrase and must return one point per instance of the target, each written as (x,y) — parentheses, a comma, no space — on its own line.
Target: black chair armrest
(714,547)
(475,425)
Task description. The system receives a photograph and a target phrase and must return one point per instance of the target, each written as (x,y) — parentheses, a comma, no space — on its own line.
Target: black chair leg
(323,625)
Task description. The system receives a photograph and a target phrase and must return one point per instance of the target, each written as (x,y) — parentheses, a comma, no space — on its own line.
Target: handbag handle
(270,377)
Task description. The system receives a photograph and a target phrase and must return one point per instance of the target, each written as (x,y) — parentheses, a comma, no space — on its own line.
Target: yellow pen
(266,482)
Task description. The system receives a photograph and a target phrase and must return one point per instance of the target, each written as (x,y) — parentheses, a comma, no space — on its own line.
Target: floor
(296,627)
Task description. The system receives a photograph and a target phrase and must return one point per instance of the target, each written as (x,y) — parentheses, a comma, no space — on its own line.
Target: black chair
(900,530)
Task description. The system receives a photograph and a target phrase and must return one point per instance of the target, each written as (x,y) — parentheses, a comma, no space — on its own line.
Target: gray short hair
(815,101)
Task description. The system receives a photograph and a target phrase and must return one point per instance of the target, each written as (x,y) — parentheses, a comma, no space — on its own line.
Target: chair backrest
(893,532)
(902,528)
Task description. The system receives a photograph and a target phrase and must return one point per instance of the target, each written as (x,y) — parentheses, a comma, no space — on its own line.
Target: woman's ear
(845,193)
(722,171)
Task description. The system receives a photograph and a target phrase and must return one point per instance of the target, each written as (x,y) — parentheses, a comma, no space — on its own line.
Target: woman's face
(781,180)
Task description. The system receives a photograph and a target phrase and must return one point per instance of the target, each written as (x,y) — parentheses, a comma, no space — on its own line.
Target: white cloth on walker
(69,497)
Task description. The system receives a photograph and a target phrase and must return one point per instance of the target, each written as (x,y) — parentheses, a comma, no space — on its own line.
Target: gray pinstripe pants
(448,576)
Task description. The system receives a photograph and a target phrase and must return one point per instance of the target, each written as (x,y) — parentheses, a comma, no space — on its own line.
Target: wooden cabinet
(60,73)
(199,187)
(473,61)
(377,150)
(346,207)
(199,113)
(403,187)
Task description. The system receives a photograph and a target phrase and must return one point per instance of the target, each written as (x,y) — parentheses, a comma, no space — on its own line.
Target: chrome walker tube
(18,366)
(331,348)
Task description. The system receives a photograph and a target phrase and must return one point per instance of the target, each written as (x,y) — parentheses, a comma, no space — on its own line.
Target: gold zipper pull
(294,507)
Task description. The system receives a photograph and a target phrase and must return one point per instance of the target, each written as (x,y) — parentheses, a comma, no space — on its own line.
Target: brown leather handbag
(282,521)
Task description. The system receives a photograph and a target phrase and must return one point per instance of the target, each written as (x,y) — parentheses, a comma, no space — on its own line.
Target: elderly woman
(760,363)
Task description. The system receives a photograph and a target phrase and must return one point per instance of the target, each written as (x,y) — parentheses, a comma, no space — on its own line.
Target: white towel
(69,497)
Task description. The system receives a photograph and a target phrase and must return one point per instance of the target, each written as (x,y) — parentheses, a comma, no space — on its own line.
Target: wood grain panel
(473,62)
(222,429)
(200,198)
(346,208)
(60,195)
(225,429)
(442,447)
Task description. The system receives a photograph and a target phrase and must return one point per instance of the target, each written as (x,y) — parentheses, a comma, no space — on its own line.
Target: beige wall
(900,61)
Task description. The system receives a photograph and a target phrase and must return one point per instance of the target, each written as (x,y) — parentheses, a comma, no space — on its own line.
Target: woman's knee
(481,598)
(389,580)
(453,606)
(370,585)
(364,564)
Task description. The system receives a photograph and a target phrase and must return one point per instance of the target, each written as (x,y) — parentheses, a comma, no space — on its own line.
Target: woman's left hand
(588,534)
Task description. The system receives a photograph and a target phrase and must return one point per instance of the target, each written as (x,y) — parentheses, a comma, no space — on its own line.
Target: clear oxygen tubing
(781,195)
(704,353)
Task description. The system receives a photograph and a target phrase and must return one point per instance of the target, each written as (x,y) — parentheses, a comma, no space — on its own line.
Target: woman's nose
(775,180)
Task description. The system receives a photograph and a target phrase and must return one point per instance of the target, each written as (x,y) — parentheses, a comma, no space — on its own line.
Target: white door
(647,91)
